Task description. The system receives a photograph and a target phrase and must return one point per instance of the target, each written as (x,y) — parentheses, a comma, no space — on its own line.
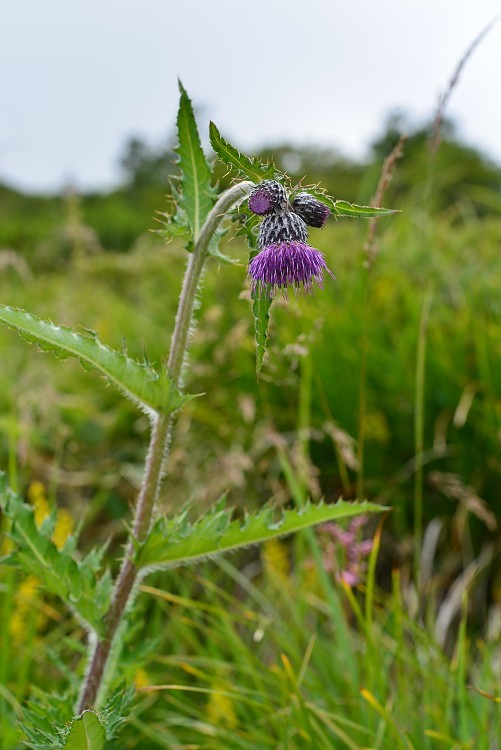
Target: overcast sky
(78,77)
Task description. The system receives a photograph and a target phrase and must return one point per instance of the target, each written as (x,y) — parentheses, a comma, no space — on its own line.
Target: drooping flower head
(285,259)
(314,213)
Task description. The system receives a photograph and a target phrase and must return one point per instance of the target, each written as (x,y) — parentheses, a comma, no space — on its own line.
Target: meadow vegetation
(385,385)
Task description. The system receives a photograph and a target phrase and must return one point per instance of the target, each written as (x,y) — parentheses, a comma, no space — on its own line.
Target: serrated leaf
(261,309)
(144,385)
(214,250)
(49,722)
(86,733)
(248,223)
(117,709)
(75,581)
(343,208)
(42,716)
(196,195)
(250,167)
(175,541)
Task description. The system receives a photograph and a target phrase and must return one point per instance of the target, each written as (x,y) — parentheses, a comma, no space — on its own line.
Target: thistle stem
(158,450)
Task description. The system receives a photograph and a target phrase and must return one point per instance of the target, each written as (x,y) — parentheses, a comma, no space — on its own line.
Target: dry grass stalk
(387,170)
(444,98)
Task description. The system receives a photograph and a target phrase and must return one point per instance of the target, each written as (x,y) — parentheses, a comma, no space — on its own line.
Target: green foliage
(195,198)
(138,381)
(251,168)
(91,730)
(341,208)
(77,582)
(85,733)
(176,541)
(261,304)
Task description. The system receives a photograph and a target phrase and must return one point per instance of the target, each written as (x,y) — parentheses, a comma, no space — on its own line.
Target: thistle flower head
(266,197)
(285,258)
(285,263)
(282,227)
(314,213)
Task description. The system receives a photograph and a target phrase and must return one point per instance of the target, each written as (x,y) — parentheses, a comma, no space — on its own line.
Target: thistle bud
(266,197)
(313,212)
(283,227)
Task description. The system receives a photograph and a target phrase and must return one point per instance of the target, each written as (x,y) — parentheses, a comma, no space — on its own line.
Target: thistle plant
(279,257)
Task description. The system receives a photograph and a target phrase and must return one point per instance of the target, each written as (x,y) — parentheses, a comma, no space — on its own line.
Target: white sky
(78,77)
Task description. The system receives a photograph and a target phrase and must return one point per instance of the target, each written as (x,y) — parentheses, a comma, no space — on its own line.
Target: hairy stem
(158,449)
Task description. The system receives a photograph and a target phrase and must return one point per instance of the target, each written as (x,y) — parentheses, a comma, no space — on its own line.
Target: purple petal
(288,263)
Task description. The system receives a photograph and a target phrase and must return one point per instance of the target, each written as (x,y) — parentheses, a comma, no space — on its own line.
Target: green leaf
(214,250)
(117,709)
(196,193)
(261,308)
(86,733)
(41,717)
(176,541)
(250,167)
(343,208)
(140,382)
(48,722)
(75,581)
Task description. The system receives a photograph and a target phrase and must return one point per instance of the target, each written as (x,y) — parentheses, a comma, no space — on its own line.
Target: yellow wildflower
(141,678)
(275,558)
(64,520)
(38,498)
(36,490)
(220,708)
(63,528)
(6,546)
(24,602)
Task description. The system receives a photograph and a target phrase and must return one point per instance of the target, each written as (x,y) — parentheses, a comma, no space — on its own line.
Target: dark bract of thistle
(282,227)
(284,264)
(314,212)
(266,197)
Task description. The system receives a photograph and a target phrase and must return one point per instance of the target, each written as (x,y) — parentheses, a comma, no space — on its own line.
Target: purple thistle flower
(314,213)
(287,263)
(266,197)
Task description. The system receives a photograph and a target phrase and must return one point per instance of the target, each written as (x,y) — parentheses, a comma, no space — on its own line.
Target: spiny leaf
(196,194)
(41,717)
(214,250)
(247,224)
(144,385)
(48,722)
(176,541)
(343,208)
(86,733)
(117,709)
(250,167)
(261,308)
(75,581)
